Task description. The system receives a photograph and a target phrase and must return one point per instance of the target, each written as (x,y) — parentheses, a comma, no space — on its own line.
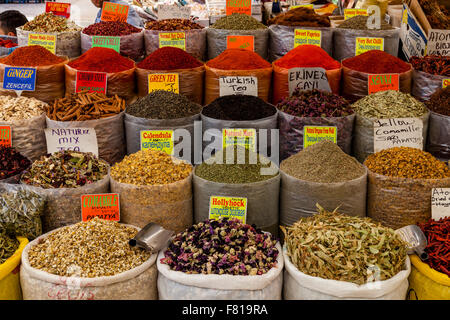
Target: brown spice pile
(301,16)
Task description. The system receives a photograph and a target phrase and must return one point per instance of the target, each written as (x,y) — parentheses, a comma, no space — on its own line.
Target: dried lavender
(11,162)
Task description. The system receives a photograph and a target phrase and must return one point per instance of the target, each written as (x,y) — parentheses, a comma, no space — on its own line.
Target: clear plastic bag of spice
(212,84)
(281,39)
(438,142)
(262,200)
(131,46)
(190,82)
(425,84)
(195,42)
(217,40)
(110,135)
(292,131)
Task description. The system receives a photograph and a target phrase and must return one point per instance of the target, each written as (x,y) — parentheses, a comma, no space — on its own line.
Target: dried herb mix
(8,246)
(48,22)
(11,162)
(440,102)
(339,247)
(238,21)
(360,23)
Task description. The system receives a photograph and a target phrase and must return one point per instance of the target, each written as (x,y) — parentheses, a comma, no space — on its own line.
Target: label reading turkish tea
(114,12)
(164,81)
(445,83)
(239,6)
(169,11)
(106,42)
(241,42)
(172,39)
(303,36)
(364,44)
(91,81)
(233,85)
(440,203)
(48,41)
(438,42)
(162,140)
(350,13)
(308,79)
(239,137)
(104,206)
(19,79)
(383,82)
(312,135)
(231,207)
(5,136)
(74,139)
(58,9)
(399,132)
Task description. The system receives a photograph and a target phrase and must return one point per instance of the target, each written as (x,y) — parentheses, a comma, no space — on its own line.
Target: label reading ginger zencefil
(104,206)
(303,36)
(163,81)
(162,140)
(5,136)
(399,132)
(239,137)
(440,203)
(19,79)
(383,82)
(312,135)
(238,6)
(308,79)
(231,207)
(91,81)
(241,42)
(114,12)
(172,39)
(364,44)
(233,85)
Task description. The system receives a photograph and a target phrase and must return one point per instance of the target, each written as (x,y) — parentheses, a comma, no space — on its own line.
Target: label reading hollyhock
(231,207)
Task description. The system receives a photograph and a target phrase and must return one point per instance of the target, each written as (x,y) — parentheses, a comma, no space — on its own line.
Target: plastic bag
(426,283)
(49,83)
(281,39)
(363,135)
(212,85)
(281,82)
(136,284)
(298,198)
(354,83)
(177,285)
(28,136)
(195,42)
(120,83)
(292,127)
(262,200)
(398,202)
(169,205)
(425,84)
(344,41)
(109,131)
(300,286)
(217,40)
(190,82)
(9,274)
(438,143)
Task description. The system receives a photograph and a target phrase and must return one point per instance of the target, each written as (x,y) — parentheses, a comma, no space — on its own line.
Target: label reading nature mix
(58,9)
(172,39)
(231,207)
(400,132)
(232,85)
(440,203)
(445,83)
(48,41)
(312,135)
(164,81)
(104,206)
(239,137)
(312,37)
(75,139)
(106,42)
(91,81)
(241,42)
(350,13)
(364,44)
(5,136)
(383,82)
(308,79)
(114,12)
(19,79)
(239,6)
(162,140)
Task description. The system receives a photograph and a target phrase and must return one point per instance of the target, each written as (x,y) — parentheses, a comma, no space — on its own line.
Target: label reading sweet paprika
(312,37)
(172,39)
(364,44)
(91,81)
(48,41)
(308,79)
(58,9)
(239,6)
(231,207)
(383,82)
(19,79)
(445,83)
(350,13)
(239,137)
(164,81)
(5,136)
(440,203)
(399,132)
(162,140)
(232,85)
(312,135)
(241,42)
(114,12)
(104,206)
(106,42)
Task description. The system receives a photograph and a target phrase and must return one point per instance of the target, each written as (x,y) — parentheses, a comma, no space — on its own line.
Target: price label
(164,81)
(239,6)
(162,140)
(91,81)
(114,12)
(366,44)
(312,37)
(105,206)
(239,137)
(172,39)
(399,132)
(5,136)
(48,41)
(106,42)
(308,79)
(440,203)
(312,135)
(383,82)
(19,79)
(445,83)
(58,9)
(75,139)
(438,42)
(241,42)
(350,13)
(231,207)
(232,85)
(309,6)
(167,11)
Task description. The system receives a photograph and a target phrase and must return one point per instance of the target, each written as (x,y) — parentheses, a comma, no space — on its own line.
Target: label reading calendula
(231,207)
(19,79)
(440,203)
(303,36)
(104,206)
(364,44)
(312,135)
(163,81)
(445,83)
(383,82)
(5,136)
(241,42)
(350,13)
(239,137)
(233,85)
(48,41)
(172,39)
(106,42)
(399,132)
(162,140)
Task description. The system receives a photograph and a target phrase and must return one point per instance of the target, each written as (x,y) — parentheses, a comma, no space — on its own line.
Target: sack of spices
(304,56)
(438,143)
(313,108)
(320,265)
(49,72)
(194,35)
(428,74)
(154,187)
(92,110)
(344,37)
(282,29)
(68,39)
(173,60)
(383,105)
(12,164)
(26,118)
(248,268)
(237,63)
(62,178)
(113,270)
(356,71)
(252,177)
(131,39)
(400,183)
(120,71)
(237,25)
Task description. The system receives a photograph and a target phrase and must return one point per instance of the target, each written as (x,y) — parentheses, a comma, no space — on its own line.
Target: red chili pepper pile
(438,248)
(7,43)
(110,28)
(11,162)
(101,60)
(169,58)
(438,65)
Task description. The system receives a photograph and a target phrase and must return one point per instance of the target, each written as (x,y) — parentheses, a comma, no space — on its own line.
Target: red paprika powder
(376,61)
(31,56)
(307,56)
(101,60)
(169,58)
(238,59)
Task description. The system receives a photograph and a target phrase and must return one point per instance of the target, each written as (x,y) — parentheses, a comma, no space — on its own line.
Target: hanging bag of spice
(428,74)
(438,142)
(173,60)
(10,288)
(194,34)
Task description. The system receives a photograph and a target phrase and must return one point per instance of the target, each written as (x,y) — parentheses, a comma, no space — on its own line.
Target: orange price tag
(104,206)
(239,6)
(383,82)
(5,136)
(114,12)
(241,42)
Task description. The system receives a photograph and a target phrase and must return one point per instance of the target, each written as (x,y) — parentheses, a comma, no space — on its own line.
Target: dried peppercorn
(437,65)
(110,28)
(172,25)
(11,162)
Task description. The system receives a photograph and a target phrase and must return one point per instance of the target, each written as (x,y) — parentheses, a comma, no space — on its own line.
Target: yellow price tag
(231,207)
(240,137)
(366,44)
(313,37)
(445,83)
(172,39)
(164,81)
(48,41)
(350,13)
(162,140)
(312,135)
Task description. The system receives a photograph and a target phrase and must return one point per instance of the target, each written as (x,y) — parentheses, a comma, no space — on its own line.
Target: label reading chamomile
(312,135)
(308,79)
(445,83)
(350,13)
(364,44)
(399,132)
(91,81)
(172,39)
(233,85)
(238,6)
(19,79)
(74,139)
(440,203)
(5,136)
(162,140)
(106,42)
(163,81)
(383,82)
(241,42)
(114,12)
(239,137)
(231,207)
(303,36)
(104,206)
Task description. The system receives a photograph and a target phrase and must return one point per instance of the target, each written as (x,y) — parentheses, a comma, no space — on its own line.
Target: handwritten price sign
(163,81)
(114,12)
(239,6)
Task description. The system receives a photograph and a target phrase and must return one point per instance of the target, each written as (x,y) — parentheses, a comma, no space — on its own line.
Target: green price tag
(106,42)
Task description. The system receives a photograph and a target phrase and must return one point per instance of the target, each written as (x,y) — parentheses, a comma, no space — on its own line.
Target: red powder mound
(101,60)
(31,56)
(238,59)
(307,56)
(376,61)
(169,58)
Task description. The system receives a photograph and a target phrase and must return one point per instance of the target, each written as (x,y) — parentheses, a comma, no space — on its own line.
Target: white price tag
(400,132)
(440,203)
(308,79)
(75,139)
(233,85)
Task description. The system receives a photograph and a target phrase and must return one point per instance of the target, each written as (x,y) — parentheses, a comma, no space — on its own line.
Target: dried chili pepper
(437,65)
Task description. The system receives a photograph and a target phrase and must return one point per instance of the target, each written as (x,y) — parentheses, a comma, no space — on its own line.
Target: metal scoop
(152,238)
(416,240)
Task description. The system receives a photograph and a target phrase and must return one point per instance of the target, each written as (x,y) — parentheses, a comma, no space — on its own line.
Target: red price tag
(383,82)
(58,9)
(91,81)
(104,206)
(241,42)
(239,6)
(114,12)
(5,136)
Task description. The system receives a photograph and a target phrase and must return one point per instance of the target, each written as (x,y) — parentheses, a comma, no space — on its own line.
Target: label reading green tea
(231,207)
(106,42)
(239,137)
